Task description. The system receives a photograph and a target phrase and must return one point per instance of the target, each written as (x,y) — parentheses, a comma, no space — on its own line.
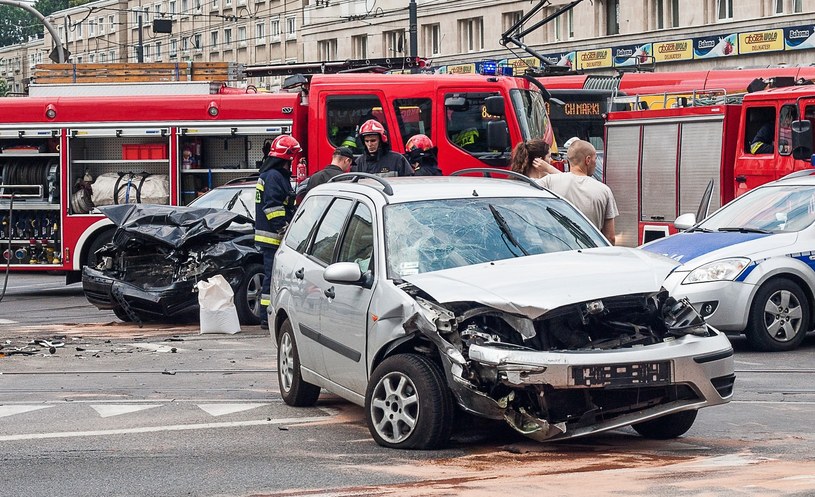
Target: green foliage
(18,25)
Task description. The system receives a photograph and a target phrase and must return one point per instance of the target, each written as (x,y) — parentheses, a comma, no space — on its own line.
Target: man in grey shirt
(591,197)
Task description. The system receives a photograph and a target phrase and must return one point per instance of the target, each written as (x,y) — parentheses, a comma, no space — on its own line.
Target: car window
(782,208)
(358,242)
(440,234)
(238,200)
(328,232)
(305,220)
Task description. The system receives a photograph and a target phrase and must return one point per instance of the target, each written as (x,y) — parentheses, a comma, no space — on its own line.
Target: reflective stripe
(259,185)
(276,213)
(755,146)
(266,300)
(267,237)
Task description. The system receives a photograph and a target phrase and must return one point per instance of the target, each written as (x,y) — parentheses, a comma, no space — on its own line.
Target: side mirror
(495,105)
(685,221)
(802,140)
(343,273)
(497,135)
(457,104)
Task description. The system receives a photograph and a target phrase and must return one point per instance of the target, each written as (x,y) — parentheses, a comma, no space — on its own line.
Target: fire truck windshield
(530,110)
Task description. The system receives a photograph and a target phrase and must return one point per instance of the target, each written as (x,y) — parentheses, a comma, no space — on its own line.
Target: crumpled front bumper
(173,300)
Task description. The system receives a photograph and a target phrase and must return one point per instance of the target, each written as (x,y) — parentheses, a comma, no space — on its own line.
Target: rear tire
(293,389)
(100,241)
(408,404)
(779,316)
(247,295)
(670,426)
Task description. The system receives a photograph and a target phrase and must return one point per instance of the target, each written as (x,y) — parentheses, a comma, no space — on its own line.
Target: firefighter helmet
(285,147)
(373,127)
(421,142)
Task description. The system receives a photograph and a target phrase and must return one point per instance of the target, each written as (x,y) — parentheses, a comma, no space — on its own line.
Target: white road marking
(156,429)
(221,409)
(11,410)
(107,411)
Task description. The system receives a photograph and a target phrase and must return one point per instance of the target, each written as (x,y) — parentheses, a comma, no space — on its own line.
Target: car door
(345,307)
(291,264)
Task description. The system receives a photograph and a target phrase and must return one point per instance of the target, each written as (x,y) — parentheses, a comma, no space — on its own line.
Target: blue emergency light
(489,68)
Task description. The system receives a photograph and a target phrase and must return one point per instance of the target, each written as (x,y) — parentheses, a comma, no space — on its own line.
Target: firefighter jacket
(383,162)
(274,206)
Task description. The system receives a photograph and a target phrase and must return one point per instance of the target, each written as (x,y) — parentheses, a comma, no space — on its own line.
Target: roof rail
(487,172)
(349,65)
(690,98)
(355,177)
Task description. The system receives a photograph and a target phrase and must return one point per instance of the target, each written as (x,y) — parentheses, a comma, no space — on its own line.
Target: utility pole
(140,46)
(412,30)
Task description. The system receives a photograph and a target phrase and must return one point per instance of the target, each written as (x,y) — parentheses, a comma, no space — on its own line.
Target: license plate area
(622,375)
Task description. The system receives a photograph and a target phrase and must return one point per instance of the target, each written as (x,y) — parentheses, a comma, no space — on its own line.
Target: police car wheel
(779,316)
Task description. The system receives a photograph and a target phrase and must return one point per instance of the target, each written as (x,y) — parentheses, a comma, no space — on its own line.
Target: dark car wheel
(408,404)
(121,314)
(670,426)
(779,316)
(247,295)
(100,241)
(293,389)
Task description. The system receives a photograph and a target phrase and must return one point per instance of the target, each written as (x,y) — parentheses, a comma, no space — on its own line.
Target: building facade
(597,35)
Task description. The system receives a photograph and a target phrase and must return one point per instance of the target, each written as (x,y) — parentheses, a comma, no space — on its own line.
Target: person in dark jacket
(378,158)
(341,162)
(421,154)
(274,207)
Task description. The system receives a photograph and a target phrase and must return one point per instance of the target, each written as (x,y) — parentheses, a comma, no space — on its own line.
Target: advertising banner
(671,51)
(521,64)
(709,47)
(761,41)
(594,59)
(461,69)
(799,37)
(631,55)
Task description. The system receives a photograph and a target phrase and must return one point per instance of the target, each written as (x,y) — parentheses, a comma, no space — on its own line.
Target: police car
(750,267)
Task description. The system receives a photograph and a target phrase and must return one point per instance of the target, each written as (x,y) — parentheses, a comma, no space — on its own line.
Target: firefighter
(421,154)
(274,206)
(378,158)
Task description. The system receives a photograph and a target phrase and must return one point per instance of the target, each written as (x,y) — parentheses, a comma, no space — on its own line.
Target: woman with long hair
(531,158)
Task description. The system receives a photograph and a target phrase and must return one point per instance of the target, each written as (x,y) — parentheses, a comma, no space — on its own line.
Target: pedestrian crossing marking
(221,409)
(109,410)
(11,410)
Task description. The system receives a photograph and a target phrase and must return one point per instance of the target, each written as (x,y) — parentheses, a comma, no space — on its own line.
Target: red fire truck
(659,162)
(119,141)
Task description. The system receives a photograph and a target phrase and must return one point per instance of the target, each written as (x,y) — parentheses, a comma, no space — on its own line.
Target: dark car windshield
(530,109)
(238,200)
(769,209)
(433,235)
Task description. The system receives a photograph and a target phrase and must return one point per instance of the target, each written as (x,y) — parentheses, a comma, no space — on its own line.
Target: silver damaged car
(417,297)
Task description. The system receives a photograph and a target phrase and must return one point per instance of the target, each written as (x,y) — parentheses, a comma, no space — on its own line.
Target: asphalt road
(164,411)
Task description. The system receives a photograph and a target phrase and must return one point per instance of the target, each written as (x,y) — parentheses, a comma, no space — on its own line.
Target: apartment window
(91,58)
(291,27)
(103,57)
(724,10)
(78,30)
(472,34)
(570,20)
(228,2)
(328,49)
(100,22)
(214,5)
(158,49)
(185,43)
(157,11)
(797,6)
(359,45)
(260,33)
(112,23)
(173,47)
(659,11)
(61,33)
(558,29)
(185,6)
(393,42)
(274,27)
(198,5)
(510,18)
(145,15)
(612,17)
(92,27)
(242,34)
(112,55)
(779,6)
(432,39)
(674,13)
(227,36)
(146,50)
(196,41)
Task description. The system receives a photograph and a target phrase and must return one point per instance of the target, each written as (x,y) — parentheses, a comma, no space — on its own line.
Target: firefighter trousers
(265,290)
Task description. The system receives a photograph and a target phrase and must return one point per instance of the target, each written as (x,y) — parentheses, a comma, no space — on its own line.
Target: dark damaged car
(415,297)
(158,253)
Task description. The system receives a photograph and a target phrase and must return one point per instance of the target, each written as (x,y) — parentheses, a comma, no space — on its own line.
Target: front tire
(779,316)
(408,404)
(247,295)
(670,426)
(293,389)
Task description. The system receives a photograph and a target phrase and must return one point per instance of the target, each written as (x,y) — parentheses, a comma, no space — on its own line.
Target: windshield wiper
(248,212)
(232,201)
(502,223)
(739,229)
(699,228)
(572,227)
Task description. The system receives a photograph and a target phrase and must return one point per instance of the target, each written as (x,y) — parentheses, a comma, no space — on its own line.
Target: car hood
(534,285)
(693,249)
(170,225)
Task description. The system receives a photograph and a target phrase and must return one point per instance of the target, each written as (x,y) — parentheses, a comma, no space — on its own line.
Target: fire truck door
(463,124)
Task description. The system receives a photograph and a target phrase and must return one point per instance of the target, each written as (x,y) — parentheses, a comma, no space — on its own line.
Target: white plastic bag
(218,311)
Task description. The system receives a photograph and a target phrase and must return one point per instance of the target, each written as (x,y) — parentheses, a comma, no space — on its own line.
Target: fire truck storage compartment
(98,154)
(659,169)
(29,223)
(210,156)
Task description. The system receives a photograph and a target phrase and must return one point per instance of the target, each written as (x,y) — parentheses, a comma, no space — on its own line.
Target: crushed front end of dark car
(157,255)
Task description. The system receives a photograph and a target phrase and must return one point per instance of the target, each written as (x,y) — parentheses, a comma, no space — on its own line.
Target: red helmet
(373,127)
(285,147)
(421,142)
